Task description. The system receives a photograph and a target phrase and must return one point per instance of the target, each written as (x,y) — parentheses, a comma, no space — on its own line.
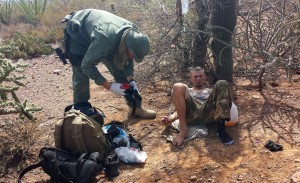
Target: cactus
(6,12)
(32,9)
(223,23)
(24,46)
(10,80)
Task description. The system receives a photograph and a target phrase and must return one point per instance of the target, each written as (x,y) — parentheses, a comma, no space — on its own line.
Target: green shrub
(6,12)
(33,10)
(25,46)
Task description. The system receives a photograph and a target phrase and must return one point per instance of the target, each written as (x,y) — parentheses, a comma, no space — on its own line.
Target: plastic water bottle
(234,115)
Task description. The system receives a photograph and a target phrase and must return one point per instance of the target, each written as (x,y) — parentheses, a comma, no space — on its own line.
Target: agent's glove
(133,85)
(118,88)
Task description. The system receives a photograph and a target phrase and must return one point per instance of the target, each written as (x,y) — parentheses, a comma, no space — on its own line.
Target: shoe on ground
(142,113)
(225,138)
(272,146)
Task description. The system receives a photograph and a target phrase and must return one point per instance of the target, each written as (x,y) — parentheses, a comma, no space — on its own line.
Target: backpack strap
(81,160)
(27,169)
(117,124)
(95,156)
(77,133)
(58,133)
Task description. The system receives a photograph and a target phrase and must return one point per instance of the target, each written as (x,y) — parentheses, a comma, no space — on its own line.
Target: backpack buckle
(112,159)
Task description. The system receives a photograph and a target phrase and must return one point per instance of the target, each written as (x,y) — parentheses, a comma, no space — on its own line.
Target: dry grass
(17,138)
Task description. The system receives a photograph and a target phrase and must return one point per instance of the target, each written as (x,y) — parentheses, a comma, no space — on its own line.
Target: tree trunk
(201,40)
(223,16)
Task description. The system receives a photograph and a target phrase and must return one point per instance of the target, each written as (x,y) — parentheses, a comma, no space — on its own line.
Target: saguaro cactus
(223,22)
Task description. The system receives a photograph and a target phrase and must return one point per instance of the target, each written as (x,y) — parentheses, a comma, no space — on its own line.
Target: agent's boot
(142,113)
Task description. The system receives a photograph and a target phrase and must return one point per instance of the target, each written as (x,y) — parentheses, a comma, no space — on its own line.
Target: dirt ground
(269,115)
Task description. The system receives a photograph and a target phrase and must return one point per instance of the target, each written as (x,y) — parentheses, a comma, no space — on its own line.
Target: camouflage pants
(215,108)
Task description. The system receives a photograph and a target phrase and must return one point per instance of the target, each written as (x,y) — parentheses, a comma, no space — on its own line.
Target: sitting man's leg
(178,95)
(219,102)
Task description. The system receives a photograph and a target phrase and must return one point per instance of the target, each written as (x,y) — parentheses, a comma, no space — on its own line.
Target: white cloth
(117,88)
(195,131)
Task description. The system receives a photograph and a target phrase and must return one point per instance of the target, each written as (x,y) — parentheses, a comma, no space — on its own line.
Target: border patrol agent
(93,36)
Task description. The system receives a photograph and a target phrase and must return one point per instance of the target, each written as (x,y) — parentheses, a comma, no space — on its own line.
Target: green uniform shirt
(96,34)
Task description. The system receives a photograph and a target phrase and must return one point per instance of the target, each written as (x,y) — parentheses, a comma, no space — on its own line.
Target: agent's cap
(139,44)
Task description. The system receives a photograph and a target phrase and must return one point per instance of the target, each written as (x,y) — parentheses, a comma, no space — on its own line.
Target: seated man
(201,105)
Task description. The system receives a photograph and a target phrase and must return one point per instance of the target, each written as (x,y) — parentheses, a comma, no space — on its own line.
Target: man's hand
(166,120)
(118,88)
(133,85)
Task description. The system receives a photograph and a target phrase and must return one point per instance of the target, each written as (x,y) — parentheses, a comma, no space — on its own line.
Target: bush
(17,139)
(6,9)
(33,10)
(25,46)
(16,135)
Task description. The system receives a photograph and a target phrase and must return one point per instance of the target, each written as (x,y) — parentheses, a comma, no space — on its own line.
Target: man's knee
(222,84)
(223,89)
(179,89)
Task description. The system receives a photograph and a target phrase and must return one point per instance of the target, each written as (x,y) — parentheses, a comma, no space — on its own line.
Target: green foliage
(33,10)
(6,12)
(25,46)
(11,76)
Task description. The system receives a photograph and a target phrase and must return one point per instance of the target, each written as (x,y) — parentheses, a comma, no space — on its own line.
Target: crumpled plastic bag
(128,155)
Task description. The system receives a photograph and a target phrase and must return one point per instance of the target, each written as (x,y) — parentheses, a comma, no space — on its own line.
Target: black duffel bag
(64,167)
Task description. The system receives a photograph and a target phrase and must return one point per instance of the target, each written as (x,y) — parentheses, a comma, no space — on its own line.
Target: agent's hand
(118,88)
(133,85)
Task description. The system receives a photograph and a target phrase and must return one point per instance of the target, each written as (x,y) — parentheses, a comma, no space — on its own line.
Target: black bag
(87,109)
(64,167)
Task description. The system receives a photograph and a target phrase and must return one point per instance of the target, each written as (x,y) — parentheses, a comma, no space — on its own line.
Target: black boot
(225,138)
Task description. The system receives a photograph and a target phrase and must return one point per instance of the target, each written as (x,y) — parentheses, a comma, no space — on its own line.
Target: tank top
(202,95)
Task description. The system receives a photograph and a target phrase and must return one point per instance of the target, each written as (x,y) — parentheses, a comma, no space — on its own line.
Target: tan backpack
(79,133)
